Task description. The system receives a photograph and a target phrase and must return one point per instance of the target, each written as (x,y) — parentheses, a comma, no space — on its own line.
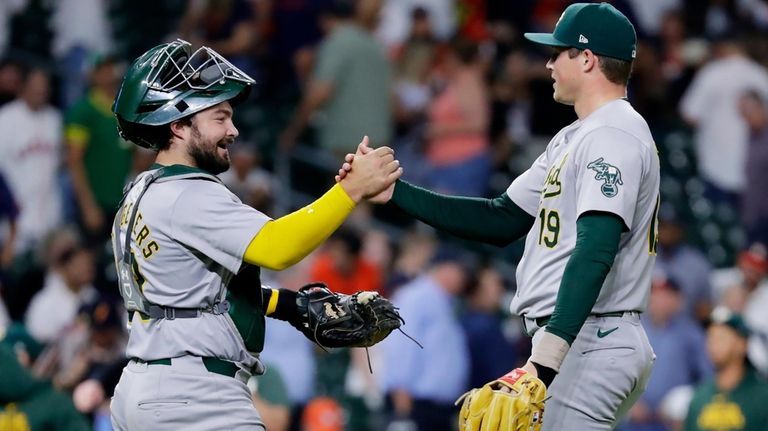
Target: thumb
(362,147)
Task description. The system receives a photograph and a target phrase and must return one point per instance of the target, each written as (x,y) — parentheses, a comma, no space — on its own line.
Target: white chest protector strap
(130,288)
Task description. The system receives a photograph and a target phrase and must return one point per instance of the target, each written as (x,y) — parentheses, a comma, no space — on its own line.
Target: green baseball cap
(599,27)
(723,316)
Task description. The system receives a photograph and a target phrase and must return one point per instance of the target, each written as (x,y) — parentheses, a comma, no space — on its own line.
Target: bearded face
(211,133)
(209,154)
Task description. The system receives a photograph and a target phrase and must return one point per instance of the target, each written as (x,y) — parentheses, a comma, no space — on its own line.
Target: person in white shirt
(30,157)
(711,105)
(67,287)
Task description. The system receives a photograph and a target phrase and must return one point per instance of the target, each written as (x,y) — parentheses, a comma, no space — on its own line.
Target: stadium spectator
(350,86)
(294,29)
(492,353)
(650,14)
(98,159)
(456,137)
(11,76)
(291,354)
(754,212)
(251,183)
(30,159)
(416,250)
(510,123)
(413,61)
(91,347)
(394,26)
(9,213)
(340,264)
(711,106)
(67,287)
(680,348)
(229,27)
(27,403)
(81,29)
(7,9)
(688,266)
(423,384)
(734,399)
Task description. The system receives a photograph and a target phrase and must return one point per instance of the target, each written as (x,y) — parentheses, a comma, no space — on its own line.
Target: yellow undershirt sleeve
(272,306)
(285,241)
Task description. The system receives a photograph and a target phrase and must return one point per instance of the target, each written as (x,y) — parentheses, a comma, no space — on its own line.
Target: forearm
(496,221)
(285,241)
(597,243)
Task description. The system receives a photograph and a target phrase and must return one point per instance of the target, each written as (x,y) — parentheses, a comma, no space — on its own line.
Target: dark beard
(207,159)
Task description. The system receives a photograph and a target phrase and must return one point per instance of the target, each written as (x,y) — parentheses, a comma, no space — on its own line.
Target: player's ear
(181,128)
(588,60)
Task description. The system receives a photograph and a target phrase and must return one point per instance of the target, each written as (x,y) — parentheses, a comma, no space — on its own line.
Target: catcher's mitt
(521,409)
(337,320)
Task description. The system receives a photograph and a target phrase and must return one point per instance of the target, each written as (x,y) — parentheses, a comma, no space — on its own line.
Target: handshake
(369,173)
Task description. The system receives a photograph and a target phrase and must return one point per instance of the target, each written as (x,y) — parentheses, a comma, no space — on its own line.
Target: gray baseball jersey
(188,241)
(605,162)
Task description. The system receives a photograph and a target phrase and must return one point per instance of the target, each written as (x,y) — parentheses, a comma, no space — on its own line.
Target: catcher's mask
(170,82)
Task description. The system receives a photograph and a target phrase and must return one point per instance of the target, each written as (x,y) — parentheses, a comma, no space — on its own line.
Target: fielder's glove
(489,407)
(337,320)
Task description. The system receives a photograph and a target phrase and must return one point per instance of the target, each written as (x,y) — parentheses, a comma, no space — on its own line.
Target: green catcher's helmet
(170,82)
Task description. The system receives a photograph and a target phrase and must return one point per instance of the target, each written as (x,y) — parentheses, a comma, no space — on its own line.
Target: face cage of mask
(173,67)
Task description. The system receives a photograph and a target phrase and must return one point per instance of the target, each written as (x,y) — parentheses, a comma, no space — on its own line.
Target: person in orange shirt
(341,265)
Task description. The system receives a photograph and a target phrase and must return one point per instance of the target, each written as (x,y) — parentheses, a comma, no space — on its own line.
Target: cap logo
(634,53)
(583,39)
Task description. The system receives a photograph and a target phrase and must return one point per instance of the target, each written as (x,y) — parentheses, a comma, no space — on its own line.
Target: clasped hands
(369,173)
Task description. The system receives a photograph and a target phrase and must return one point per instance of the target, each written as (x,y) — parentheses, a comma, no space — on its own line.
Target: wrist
(549,351)
(546,374)
(355,194)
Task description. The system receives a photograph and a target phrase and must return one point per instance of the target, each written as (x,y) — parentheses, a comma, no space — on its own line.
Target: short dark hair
(615,70)
(158,136)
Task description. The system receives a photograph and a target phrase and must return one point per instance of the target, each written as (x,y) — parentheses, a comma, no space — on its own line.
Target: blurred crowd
(467,105)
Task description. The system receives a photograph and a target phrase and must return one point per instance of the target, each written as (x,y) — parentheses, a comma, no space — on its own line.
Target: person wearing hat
(588,208)
(97,158)
(679,342)
(29,403)
(734,400)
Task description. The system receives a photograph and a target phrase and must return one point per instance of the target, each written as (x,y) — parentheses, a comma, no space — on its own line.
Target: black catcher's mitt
(337,320)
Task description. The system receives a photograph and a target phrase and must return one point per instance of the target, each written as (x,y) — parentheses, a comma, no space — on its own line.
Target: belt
(542,321)
(213,365)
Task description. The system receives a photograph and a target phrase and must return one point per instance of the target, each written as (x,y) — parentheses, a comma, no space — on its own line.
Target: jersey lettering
(721,415)
(142,235)
(552,186)
(150,249)
(13,420)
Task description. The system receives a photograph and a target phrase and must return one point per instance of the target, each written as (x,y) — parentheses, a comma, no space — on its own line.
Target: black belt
(213,365)
(542,321)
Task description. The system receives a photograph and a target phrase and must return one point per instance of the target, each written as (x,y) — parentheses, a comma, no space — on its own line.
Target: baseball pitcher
(587,208)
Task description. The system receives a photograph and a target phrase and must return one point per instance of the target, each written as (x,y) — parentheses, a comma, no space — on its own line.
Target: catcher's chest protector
(243,299)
